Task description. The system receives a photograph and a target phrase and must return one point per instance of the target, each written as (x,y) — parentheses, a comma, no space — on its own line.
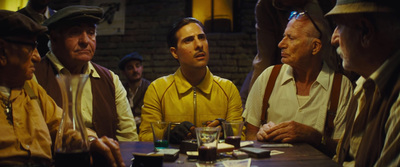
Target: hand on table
(262,132)
(106,150)
(290,132)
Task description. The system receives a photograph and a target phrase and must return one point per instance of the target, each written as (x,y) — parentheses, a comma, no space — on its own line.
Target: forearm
(251,131)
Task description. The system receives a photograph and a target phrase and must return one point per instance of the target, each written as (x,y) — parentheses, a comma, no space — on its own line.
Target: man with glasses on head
(304,99)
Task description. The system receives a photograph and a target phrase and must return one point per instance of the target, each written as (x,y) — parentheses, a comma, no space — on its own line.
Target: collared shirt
(173,99)
(284,105)
(389,155)
(126,128)
(29,135)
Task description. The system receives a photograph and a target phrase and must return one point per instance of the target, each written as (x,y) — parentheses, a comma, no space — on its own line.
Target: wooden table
(299,155)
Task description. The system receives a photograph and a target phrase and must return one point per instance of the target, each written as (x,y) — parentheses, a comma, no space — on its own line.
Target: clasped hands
(186,130)
(287,132)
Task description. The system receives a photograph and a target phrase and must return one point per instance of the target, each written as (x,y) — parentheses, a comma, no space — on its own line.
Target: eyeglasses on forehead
(300,15)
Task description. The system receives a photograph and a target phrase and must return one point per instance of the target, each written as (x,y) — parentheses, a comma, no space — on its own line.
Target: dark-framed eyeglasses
(299,15)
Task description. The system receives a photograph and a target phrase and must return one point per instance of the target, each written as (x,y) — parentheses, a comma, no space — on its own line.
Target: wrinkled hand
(185,130)
(262,132)
(106,151)
(291,132)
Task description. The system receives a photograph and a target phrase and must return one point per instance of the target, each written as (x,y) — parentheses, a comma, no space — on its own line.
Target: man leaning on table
(368,36)
(29,118)
(300,107)
(105,108)
(192,95)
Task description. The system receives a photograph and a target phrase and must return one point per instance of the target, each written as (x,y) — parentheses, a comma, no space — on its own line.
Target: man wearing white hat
(368,36)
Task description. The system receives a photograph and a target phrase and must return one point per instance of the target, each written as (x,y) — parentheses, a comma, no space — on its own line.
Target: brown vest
(104,118)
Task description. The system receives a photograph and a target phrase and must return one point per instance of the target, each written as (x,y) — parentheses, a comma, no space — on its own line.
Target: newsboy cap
(73,14)
(362,6)
(14,25)
(129,57)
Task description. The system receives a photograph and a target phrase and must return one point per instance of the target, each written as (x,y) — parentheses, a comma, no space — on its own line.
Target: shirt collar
(359,85)
(383,74)
(182,85)
(322,79)
(90,70)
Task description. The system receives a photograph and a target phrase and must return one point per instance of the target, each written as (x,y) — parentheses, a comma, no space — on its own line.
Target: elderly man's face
(20,57)
(296,45)
(192,47)
(75,43)
(347,38)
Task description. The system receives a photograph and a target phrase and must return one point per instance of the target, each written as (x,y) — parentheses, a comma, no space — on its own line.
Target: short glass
(207,142)
(233,132)
(160,134)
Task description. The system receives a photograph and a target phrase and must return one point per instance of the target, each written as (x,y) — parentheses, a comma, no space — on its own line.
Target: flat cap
(75,13)
(129,57)
(14,25)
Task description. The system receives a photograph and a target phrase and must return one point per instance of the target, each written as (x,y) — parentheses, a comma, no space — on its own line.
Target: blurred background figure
(132,68)
(39,11)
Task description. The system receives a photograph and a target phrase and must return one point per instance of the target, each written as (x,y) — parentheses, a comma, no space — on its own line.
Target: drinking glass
(160,134)
(233,132)
(207,142)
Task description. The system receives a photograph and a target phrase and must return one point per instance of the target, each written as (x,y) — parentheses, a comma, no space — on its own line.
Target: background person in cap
(27,125)
(136,86)
(73,43)
(368,36)
(39,11)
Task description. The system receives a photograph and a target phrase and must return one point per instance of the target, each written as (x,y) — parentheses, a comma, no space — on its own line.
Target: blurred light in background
(216,15)
(12,5)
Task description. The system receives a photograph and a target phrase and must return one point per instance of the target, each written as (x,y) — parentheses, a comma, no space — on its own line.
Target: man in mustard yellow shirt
(192,95)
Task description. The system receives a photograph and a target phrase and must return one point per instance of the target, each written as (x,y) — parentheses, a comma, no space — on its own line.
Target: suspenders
(334,99)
